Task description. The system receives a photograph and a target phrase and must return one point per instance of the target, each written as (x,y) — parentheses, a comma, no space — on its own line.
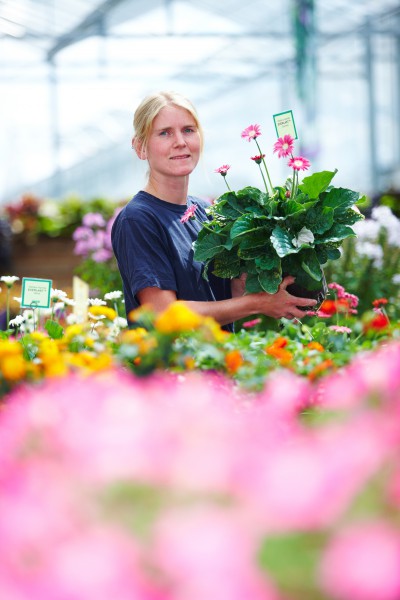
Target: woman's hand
(283,304)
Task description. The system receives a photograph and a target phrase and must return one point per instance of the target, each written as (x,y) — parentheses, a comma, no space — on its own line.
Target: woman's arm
(281,304)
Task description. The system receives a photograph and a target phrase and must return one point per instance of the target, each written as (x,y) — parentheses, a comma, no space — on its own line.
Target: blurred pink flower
(223,170)
(362,562)
(340,328)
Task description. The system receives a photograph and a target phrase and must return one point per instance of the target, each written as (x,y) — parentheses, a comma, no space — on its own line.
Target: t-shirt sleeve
(144,255)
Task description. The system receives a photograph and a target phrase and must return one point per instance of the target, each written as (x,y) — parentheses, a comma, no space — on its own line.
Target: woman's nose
(180,139)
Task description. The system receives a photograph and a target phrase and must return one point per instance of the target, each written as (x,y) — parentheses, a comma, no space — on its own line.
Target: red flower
(379,302)
(258,158)
(377,323)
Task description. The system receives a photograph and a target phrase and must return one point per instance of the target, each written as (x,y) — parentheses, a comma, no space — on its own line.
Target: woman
(152,238)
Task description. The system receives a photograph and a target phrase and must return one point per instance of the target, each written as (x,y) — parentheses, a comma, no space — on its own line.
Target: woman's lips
(180,156)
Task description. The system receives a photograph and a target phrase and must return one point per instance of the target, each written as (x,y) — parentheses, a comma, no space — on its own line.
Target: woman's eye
(189,130)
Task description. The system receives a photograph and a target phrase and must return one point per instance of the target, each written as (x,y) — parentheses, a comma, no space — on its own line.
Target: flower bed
(186,487)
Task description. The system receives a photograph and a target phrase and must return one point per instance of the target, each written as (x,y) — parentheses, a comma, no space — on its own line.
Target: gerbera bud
(223,170)
(258,159)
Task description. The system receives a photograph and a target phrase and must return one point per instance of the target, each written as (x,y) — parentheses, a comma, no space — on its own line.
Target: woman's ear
(139,149)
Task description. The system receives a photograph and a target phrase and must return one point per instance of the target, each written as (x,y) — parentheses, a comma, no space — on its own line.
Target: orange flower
(233,361)
(379,302)
(280,342)
(328,307)
(315,346)
(318,370)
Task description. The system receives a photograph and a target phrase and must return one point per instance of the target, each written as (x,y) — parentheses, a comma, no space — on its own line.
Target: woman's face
(174,144)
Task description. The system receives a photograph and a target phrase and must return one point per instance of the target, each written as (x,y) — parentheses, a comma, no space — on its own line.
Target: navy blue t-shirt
(154,249)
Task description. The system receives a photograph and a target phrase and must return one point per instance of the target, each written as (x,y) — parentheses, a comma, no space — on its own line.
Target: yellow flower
(10,348)
(72,331)
(218,334)
(105,311)
(55,367)
(177,318)
(133,336)
(38,336)
(13,367)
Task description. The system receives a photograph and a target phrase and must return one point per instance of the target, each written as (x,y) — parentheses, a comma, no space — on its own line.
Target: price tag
(36,293)
(284,124)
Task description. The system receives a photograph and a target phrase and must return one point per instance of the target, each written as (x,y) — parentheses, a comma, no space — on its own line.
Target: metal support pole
(54,126)
(371,109)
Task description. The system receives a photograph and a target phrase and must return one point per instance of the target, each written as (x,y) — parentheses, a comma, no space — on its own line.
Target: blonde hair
(149,108)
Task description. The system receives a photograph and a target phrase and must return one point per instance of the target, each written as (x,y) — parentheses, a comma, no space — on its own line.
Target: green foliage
(255,233)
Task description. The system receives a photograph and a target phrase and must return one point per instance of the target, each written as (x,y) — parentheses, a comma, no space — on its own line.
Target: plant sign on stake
(291,229)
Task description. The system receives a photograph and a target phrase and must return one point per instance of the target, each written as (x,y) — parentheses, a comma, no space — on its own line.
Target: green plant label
(36,293)
(284,124)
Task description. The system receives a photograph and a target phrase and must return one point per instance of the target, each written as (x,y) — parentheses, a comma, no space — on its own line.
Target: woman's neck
(173,190)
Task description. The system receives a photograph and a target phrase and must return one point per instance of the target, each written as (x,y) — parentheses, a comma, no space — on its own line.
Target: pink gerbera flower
(340,328)
(189,213)
(299,163)
(284,146)
(223,170)
(251,132)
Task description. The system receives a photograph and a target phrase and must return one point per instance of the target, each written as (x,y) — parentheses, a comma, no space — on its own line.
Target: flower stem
(8,308)
(262,175)
(227,185)
(266,169)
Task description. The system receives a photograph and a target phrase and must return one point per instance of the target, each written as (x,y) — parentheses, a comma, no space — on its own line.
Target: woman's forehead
(171,115)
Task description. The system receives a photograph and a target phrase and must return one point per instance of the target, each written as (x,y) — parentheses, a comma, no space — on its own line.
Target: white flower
(305,236)
(96,302)
(69,302)
(9,280)
(396,278)
(58,294)
(371,251)
(71,319)
(367,230)
(120,322)
(95,317)
(113,295)
(19,319)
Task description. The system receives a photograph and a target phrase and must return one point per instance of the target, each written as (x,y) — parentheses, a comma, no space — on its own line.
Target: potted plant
(290,229)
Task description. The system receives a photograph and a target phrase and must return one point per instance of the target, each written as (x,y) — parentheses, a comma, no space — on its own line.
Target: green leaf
(311,265)
(340,199)
(315,184)
(291,561)
(291,207)
(281,241)
(252,283)
(54,329)
(333,253)
(243,225)
(251,195)
(270,280)
(269,260)
(208,246)
(337,233)
(349,217)
(319,218)
(226,265)
(256,238)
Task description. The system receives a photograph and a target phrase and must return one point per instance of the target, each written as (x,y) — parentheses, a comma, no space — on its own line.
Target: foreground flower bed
(188,487)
